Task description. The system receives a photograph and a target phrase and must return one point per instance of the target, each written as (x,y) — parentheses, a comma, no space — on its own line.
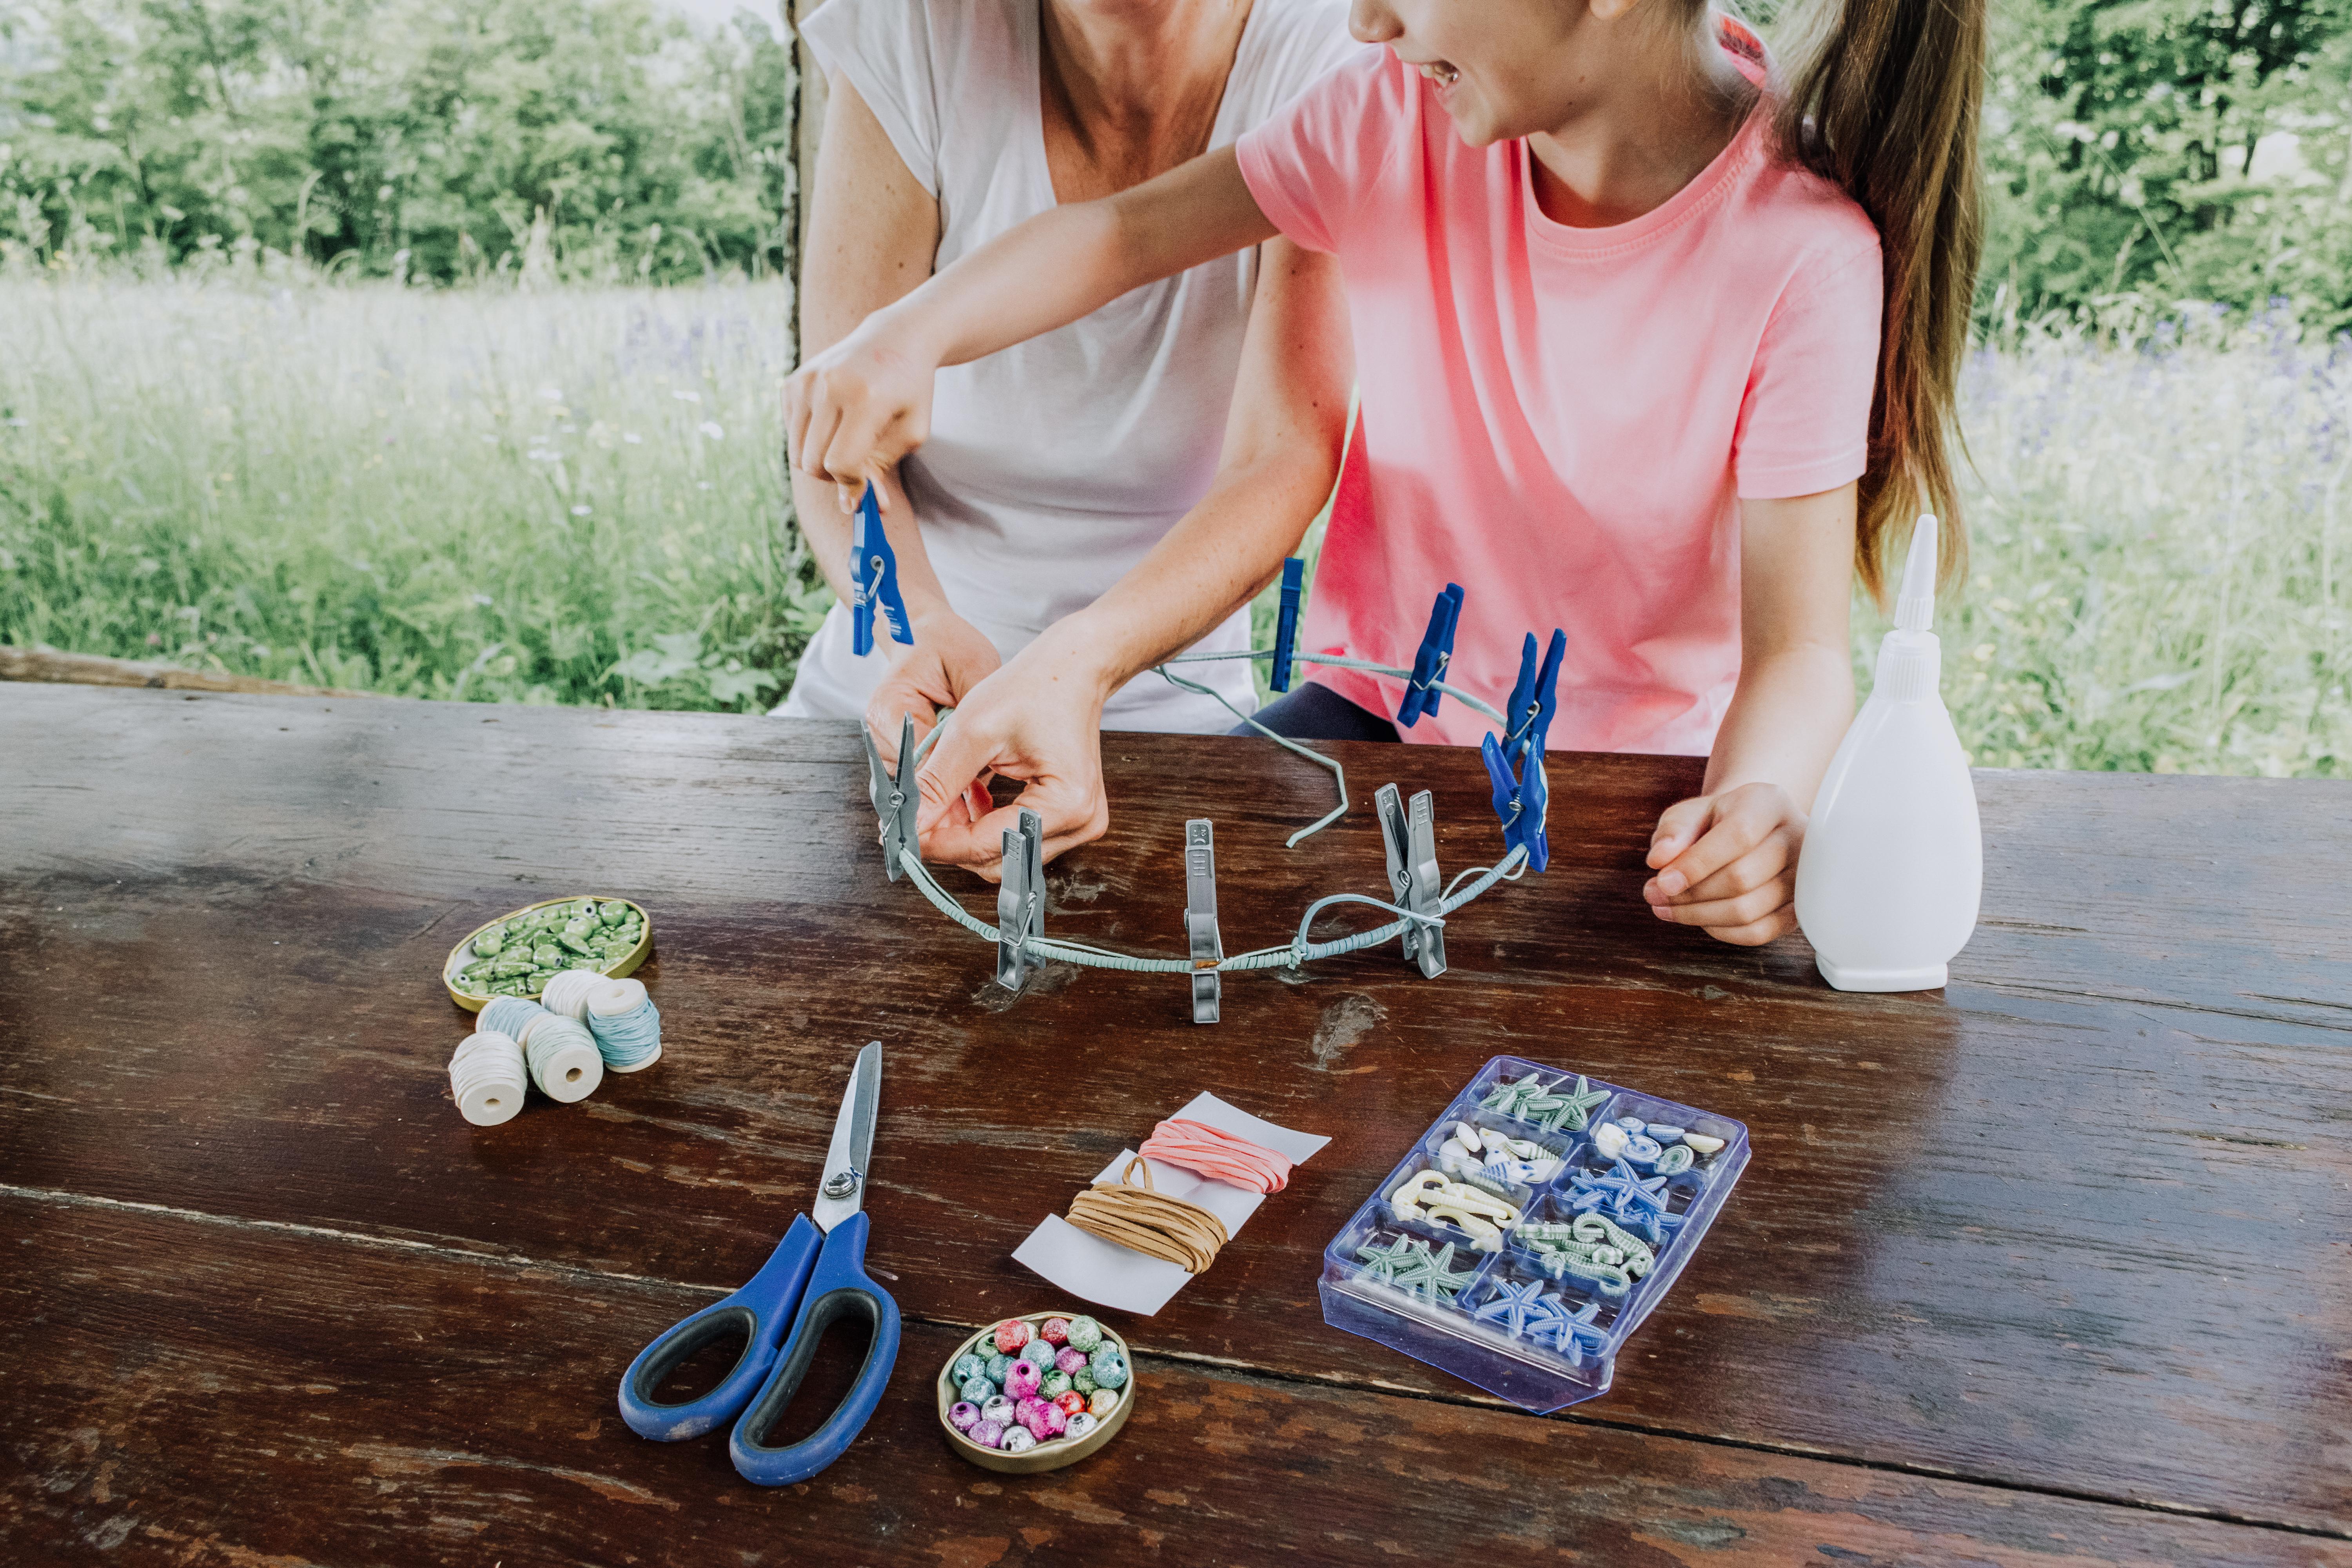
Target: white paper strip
(1109,1275)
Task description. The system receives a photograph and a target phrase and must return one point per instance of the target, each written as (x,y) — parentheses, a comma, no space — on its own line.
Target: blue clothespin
(1515,763)
(874,576)
(1421,693)
(1286,627)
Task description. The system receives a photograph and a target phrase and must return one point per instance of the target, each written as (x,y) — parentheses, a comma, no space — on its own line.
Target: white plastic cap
(1915,607)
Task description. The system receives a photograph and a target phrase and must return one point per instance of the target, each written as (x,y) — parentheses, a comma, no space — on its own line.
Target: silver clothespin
(1410,840)
(1020,898)
(1200,918)
(895,799)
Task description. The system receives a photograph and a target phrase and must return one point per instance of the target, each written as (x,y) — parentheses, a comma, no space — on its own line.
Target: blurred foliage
(2172,150)
(428,139)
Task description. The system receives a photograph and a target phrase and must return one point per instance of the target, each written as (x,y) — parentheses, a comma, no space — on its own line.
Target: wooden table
(2051,1267)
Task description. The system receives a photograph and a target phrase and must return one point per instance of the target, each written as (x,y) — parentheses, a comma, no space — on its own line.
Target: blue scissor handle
(760,1311)
(839,1289)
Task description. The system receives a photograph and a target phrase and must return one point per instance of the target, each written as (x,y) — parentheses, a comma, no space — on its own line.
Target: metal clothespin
(1410,836)
(1286,626)
(1019,899)
(873,579)
(895,797)
(1200,918)
(1514,763)
(1421,693)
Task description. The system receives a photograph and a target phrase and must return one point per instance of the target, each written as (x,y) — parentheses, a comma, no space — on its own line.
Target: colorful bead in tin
(1109,1367)
(1085,1335)
(1011,1335)
(1070,1402)
(963,1415)
(1069,1361)
(978,1390)
(1039,1355)
(999,1410)
(1080,1424)
(1103,1403)
(987,1434)
(1083,1379)
(996,1367)
(967,1367)
(1054,1331)
(1019,1441)
(1020,1380)
(1054,1384)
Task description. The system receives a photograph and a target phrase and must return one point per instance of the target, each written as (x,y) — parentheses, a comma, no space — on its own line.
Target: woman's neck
(1662,118)
(1131,89)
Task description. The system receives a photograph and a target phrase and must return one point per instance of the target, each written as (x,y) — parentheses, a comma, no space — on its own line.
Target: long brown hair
(1882,98)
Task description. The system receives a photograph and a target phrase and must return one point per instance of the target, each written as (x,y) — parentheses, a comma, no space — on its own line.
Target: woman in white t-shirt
(1197,421)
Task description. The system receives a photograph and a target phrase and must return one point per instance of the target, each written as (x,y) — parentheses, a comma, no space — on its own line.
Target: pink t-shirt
(1563,420)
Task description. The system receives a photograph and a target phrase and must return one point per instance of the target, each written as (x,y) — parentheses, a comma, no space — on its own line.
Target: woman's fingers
(1741,819)
(1752,870)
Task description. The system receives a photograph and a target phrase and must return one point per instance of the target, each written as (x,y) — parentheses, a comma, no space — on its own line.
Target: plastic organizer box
(1534,1376)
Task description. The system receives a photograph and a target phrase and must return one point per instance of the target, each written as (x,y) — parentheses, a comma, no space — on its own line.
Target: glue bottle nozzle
(1915,607)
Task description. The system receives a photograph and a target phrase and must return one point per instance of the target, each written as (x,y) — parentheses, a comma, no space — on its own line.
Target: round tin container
(1045,1456)
(463,953)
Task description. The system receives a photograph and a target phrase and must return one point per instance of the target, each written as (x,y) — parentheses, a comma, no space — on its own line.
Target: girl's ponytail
(1883,98)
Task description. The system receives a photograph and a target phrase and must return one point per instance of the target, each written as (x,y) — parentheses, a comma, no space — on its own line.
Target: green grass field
(575,496)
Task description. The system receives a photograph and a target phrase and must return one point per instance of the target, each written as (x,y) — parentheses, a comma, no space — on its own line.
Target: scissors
(817,1275)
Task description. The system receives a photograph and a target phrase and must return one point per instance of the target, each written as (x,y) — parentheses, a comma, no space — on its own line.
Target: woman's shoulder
(1289,45)
(933,39)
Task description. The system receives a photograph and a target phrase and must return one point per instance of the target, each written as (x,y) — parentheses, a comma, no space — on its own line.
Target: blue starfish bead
(1511,1305)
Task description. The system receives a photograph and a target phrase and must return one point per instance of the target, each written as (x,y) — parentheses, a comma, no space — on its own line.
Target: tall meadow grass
(575,496)
(567,496)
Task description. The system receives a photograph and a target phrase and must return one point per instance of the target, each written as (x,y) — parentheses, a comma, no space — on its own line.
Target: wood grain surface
(2073,1232)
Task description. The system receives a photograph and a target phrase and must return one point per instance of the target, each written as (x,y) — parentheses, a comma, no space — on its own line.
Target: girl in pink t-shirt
(1616,296)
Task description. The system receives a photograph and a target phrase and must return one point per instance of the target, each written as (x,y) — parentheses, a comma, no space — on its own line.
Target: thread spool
(563,1058)
(567,992)
(625,1022)
(508,1015)
(487,1076)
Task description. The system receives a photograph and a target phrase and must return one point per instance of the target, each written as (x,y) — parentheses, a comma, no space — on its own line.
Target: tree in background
(434,139)
(2172,149)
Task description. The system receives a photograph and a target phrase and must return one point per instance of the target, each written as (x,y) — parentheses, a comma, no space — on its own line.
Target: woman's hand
(1727,863)
(853,411)
(948,661)
(1038,720)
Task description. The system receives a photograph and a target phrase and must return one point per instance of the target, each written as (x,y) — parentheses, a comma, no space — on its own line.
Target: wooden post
(808,124)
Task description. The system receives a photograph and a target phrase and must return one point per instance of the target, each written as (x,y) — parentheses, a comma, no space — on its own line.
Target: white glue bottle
(1892,863)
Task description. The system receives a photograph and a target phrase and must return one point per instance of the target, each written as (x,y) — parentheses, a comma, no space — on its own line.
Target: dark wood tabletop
(2054,1266)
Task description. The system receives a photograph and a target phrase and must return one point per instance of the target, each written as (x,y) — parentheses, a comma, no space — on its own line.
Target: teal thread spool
(625,1024)
(563,1057)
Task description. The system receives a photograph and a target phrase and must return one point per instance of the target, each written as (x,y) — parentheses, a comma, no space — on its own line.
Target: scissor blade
(841,1191)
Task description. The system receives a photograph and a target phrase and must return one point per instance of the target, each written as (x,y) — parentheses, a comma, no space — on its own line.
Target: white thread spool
(563,1058)
(487,1076)
(567,992)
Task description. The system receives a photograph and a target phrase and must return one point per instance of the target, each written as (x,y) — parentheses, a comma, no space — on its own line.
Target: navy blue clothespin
(874,578)
(895,799)
(1421,693)
(1286,626)
(1201,934)
(1515,763)
(1020,898)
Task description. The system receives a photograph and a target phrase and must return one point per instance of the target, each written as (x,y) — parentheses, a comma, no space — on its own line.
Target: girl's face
(1503,69)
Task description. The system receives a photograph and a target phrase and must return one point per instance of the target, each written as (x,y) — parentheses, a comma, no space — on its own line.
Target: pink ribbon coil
(1219,1156)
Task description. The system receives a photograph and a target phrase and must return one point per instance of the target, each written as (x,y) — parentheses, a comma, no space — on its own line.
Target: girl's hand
(1728,862)
(853,411)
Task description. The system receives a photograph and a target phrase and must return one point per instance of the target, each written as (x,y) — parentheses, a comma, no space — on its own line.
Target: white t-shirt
(1053,466)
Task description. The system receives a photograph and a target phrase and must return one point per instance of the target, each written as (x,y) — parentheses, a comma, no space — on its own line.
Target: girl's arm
(855,409)
(1039,718)
(1726,859)
(872,231)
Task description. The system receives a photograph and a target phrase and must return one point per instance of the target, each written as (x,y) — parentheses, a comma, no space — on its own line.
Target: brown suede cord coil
(1150,1221)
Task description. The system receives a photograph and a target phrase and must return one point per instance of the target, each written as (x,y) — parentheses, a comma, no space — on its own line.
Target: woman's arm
(1039,718)
(865,402)
(1726,859)
(873,232)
